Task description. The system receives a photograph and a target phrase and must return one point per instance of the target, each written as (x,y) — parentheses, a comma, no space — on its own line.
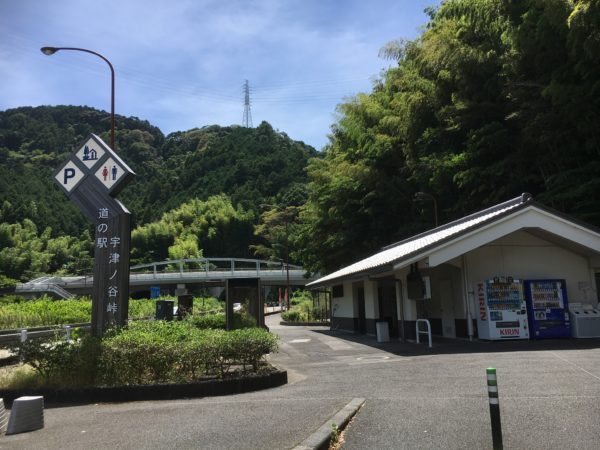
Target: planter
(208,388)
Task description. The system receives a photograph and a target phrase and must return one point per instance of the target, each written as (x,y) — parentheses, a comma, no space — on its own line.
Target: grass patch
(15,312)
(20,377)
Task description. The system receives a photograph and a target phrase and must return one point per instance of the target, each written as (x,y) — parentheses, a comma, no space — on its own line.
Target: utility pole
(247,120)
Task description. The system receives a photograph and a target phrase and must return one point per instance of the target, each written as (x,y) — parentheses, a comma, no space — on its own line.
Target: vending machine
(547,308)
(502,311)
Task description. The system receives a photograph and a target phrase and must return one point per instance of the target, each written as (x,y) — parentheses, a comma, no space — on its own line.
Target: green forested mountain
(221,174)
(495,98)
(34,142)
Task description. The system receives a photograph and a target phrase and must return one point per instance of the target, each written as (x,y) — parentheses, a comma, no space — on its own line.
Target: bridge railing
(172,270)
(210,265)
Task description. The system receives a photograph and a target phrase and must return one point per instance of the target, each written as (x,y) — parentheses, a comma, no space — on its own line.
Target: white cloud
(182,63)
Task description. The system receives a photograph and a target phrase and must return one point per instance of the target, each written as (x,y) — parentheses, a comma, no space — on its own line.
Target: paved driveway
(415,398)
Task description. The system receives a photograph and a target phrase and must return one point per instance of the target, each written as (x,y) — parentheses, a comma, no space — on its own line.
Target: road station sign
(69,176)
(109,173)
(90,153)
(92,177)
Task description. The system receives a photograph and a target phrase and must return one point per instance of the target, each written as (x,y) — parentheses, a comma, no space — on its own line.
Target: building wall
(524,256)
(344,312)
(519,254)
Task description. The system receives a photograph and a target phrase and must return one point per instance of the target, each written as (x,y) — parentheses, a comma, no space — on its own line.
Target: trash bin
(164,310)
(383,331)
(185,304)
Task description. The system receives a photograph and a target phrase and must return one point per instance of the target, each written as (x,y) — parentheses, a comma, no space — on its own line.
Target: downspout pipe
(399,296)
(467,294)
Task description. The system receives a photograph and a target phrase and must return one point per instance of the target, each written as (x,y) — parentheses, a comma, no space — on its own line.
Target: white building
(519,238)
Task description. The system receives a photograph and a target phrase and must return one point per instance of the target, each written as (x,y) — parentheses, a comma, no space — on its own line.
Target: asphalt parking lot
(416,398)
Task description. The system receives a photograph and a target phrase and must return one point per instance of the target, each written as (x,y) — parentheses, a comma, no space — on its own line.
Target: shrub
(155,352)
(208,321)
(292,316)
(141,309)
(144,353)
(243,320)
(219,321)
(304,310)
(299,297)
(60,362)
(208,304)
(147,352)
(8,299)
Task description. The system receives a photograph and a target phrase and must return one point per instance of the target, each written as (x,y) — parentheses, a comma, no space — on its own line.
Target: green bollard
(492,384)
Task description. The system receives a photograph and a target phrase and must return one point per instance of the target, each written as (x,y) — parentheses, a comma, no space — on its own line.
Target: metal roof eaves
(506,208)
(566,217)
(520,200)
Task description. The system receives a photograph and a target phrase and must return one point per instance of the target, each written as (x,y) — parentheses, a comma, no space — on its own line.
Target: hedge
(149,352)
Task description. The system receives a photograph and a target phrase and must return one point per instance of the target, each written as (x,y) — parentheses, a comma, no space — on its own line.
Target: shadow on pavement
(443,346)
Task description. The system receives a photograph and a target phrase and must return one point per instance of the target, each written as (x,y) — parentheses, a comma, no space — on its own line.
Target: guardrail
(23,334)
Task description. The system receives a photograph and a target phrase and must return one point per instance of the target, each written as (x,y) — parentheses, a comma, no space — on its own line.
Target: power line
(320,89)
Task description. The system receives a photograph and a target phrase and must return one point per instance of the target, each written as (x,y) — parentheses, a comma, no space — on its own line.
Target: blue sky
(181,64)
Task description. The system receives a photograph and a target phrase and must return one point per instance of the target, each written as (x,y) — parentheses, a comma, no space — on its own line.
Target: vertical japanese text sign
(91,177)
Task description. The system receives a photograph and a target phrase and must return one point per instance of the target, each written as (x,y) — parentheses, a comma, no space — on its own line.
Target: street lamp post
(424,195)
(52,50)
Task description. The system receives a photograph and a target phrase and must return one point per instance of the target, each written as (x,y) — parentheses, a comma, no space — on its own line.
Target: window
(338,291)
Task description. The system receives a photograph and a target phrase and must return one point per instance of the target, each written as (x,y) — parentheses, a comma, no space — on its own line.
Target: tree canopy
(196,192)
(494,98)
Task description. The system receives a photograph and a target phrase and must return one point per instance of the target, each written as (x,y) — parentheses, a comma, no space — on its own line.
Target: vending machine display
(547,308)
(502,311)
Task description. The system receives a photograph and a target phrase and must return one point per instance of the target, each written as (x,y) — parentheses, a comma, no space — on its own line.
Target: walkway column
(371,305)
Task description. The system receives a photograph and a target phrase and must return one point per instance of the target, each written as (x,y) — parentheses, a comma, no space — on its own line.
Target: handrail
(55,284)
(49,287)
(24,334)
(208,260)
(428,332)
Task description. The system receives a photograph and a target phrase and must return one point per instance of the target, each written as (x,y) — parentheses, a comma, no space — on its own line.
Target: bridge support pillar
(247,292)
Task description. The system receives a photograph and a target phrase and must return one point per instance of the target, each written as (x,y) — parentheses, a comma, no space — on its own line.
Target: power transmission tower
(247,120)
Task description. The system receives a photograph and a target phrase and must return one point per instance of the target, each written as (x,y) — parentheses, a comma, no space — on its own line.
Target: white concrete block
(27,414)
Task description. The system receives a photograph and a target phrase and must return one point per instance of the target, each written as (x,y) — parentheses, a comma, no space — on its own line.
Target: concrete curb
(305,324)
(209,388)
(320,439)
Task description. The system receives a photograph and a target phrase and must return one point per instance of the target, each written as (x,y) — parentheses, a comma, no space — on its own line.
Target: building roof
(417,246)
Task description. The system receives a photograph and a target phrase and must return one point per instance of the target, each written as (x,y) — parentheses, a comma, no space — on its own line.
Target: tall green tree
(495,98)
(276,226)
(212,228)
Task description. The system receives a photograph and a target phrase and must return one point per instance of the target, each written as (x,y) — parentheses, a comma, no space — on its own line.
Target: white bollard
(27,414)
(68,329)
(23,335)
